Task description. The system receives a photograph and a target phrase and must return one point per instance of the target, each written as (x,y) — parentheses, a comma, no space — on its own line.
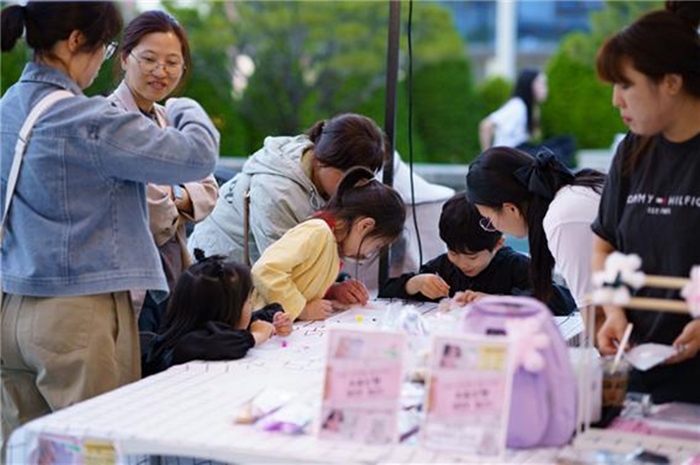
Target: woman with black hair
(285,182)
(539,198)
(651,201)
(155,62)
(77,238)
(517,122)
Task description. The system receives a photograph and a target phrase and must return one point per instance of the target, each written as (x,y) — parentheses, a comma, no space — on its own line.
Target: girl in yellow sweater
(299,270)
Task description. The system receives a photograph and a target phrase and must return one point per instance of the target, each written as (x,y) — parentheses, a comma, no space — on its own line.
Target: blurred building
(538,26)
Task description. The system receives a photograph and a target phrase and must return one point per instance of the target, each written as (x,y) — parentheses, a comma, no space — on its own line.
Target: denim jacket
(78,223)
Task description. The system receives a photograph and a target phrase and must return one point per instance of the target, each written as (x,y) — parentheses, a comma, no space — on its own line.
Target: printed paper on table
(468,395)
(364,370)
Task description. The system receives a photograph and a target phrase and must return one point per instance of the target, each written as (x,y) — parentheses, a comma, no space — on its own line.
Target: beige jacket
(167,223)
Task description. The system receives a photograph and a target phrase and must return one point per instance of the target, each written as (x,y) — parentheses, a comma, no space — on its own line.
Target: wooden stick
(659,305)
(666,282)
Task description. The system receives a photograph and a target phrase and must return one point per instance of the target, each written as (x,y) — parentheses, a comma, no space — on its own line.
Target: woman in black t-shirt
(651,201)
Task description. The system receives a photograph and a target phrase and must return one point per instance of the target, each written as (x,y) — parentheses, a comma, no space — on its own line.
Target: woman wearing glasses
(539,198)
(76,237)
(155,58)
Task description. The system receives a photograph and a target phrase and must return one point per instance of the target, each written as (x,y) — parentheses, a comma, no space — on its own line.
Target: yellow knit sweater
(299,267)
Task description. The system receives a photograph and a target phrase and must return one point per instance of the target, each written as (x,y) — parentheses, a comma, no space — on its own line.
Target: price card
(468,395)
(364,371)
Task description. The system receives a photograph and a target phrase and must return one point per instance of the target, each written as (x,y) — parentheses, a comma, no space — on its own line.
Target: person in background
(539,198)
(517,122)
(298,271)
(650,202)
(476,264)
(210,317)
(154,56)
(77,237)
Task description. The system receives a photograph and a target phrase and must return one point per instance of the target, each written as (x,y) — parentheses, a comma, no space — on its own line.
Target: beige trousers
(56,351)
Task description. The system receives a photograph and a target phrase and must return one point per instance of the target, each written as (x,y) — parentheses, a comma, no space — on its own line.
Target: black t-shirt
(507,274)
(653,210)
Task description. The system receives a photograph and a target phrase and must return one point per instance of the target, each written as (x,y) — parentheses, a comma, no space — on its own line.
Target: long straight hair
(492,181)
(523,90)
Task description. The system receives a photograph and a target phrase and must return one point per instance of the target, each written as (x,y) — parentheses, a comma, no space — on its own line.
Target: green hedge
(444,100)
(578,103)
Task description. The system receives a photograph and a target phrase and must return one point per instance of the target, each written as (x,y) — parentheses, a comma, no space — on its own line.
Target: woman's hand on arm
(184,202)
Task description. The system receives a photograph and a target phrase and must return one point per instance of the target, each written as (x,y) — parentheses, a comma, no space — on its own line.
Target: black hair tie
(545,176)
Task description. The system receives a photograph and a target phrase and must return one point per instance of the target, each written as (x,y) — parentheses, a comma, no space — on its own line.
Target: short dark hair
(460,230)
(150,22)
(348,140)
(213,289)
(50,22)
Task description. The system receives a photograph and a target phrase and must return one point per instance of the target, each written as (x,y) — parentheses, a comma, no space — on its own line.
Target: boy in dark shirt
(477,263)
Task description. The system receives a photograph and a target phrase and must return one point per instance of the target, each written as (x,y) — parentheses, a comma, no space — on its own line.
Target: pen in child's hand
(446,286)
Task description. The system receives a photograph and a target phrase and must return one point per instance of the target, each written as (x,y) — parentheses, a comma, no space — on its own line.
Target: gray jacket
(281,196)
(78,223)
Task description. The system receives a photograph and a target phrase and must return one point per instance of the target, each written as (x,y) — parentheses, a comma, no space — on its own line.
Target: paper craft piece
(53,449)
(469,390)
(646,356)
(362,386)
(263,403)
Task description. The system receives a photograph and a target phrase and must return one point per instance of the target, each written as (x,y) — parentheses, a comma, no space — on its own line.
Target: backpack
(543,402)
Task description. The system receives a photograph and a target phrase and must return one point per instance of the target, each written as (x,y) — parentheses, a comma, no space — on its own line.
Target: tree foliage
(579,103)
(316,59)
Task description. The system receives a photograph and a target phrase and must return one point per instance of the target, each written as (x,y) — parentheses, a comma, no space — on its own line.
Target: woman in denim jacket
(77,236)
(155,56)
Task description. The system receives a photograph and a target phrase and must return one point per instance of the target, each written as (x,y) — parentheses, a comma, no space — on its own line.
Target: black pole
(392,70)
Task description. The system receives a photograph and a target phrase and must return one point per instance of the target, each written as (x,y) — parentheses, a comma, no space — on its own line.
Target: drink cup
(614,381)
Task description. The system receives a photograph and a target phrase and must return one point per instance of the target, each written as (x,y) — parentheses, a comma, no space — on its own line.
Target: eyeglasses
(110,48)
(148,65)
(487,225)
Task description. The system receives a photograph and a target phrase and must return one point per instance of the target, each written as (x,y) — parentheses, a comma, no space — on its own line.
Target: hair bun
(688,11)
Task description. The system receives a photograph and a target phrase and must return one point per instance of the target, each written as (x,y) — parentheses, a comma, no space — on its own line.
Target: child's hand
(318,309)
(430,285)
(282,324)
(466,297)
(261,331)
(349,292)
